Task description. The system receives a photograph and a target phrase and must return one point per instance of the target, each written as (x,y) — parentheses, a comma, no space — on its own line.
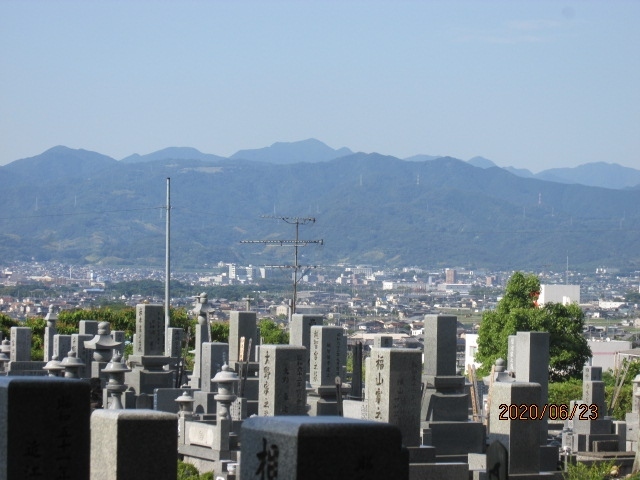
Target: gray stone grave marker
(83,354)
(394,390)
(321,448)
(149,330)
(61,345)
(119,336)
(88,327)
(532,360)
(20,344)
(327,355)
(300,332)
(122,449)
(45,431)
(521,437)
(383,341)
(214,355)
(242,324)
(174,345)
(282,380)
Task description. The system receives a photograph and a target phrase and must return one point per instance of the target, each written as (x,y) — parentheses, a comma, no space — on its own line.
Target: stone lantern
(115,370)
(185,404)
(54,367)
(71,365)
(102,344)
(225,379)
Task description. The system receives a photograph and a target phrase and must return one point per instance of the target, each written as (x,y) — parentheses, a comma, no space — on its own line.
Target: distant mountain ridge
(83,207)
(172,153)
(310,150)
(598,174)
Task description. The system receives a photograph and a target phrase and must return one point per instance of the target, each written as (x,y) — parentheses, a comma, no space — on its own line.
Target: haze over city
(528,84)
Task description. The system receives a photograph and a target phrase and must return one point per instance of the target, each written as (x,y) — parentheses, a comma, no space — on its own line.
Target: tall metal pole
(167,273)
(296,266)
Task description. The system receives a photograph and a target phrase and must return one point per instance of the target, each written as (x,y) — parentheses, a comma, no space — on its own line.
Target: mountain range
(84,207)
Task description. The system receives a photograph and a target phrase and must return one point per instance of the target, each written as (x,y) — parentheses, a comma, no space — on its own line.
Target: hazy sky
(533,84)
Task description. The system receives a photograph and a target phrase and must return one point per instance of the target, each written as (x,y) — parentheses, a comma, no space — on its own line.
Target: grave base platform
(456,438)
(439,471)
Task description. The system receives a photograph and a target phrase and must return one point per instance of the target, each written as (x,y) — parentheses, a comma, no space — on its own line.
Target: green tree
(271,333)
(518,311)
(6,322)
(220,332)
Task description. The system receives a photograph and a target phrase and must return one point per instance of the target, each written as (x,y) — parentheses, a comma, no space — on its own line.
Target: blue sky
(532,84)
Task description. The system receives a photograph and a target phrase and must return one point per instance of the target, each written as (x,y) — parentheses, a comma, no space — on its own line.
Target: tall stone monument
(393,390)
(282,380)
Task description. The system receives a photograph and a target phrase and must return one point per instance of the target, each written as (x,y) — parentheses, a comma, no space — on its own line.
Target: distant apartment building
(564,294)
(232,271)
(450,275)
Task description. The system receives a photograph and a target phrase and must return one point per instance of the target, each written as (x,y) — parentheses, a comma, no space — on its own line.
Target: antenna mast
(297,221)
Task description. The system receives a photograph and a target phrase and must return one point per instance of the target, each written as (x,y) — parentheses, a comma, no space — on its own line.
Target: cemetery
(249,410)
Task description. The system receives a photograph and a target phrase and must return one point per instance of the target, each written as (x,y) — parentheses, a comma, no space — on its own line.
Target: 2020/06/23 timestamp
(552,411)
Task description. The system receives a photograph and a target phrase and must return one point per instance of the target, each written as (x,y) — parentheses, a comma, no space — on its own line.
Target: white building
(564,294)
(470,350)
(605,352)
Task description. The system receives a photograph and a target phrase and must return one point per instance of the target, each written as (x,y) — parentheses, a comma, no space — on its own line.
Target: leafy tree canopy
(271,333)
(518,311)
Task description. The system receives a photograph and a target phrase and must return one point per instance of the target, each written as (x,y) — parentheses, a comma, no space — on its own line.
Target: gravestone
(520,436)
(532,360)
(444,398)
(20,363)
(327,357)
(133,445)
(589,426)
(394,390)
(356,376)
(45,428)
(242,324)
(83,354)
(20,344)
(174,345)
(88,327)
(321,448)
(147,360)
(282,380)
(119,336)
(300,332)
(382,341)
(61,345)
(593,389)
(149,330)
(445,404)
(214,356)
